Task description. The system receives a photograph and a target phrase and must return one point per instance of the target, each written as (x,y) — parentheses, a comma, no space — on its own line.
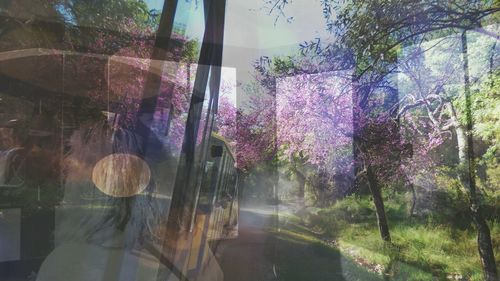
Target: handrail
(153,250)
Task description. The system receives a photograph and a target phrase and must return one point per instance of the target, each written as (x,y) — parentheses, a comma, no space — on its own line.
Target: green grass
(302,255)
(421,249)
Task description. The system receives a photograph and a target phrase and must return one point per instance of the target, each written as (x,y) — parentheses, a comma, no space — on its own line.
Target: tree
(375,32)
(250,132)
(300,137)
(314,126)
(441,93)
(30,25)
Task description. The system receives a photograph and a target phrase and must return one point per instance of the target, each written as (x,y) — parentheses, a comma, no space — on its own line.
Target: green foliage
(492,181)
(259,182)
(110,13)
(486,108)
(376,30)
(283,65)
(190,51)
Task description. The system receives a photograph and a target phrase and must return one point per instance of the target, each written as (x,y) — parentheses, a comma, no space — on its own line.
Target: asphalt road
(249,257)
(264,252)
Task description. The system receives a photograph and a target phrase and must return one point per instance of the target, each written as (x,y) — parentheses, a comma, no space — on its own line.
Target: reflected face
(121,175)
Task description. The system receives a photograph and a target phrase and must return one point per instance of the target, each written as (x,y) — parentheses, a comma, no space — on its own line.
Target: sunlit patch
(121,175)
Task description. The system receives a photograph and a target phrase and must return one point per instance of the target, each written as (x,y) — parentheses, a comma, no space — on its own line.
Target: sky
(251,32)
(248,23)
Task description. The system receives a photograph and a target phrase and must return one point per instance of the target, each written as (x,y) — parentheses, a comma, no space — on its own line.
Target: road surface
(265,252)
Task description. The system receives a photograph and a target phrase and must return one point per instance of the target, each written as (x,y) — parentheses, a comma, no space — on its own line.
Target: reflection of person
(29,185)
(8,138)
(43,154)
(100,234)
(9,146)
(29,153)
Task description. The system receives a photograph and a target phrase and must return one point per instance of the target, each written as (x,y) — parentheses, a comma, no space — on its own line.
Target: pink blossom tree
(314,125)
(250,133)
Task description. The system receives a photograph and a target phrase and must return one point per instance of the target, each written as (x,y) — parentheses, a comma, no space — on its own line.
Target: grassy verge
(302,255)
(424,248)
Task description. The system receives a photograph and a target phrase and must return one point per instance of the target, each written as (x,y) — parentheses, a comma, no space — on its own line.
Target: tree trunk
(302,184)
(301,180)
(485,247)
(461,143)
(413,199)
(483,231)
(379,205)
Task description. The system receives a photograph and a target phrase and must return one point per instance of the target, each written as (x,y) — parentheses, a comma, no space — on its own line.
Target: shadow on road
(249,257)
(264,252)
